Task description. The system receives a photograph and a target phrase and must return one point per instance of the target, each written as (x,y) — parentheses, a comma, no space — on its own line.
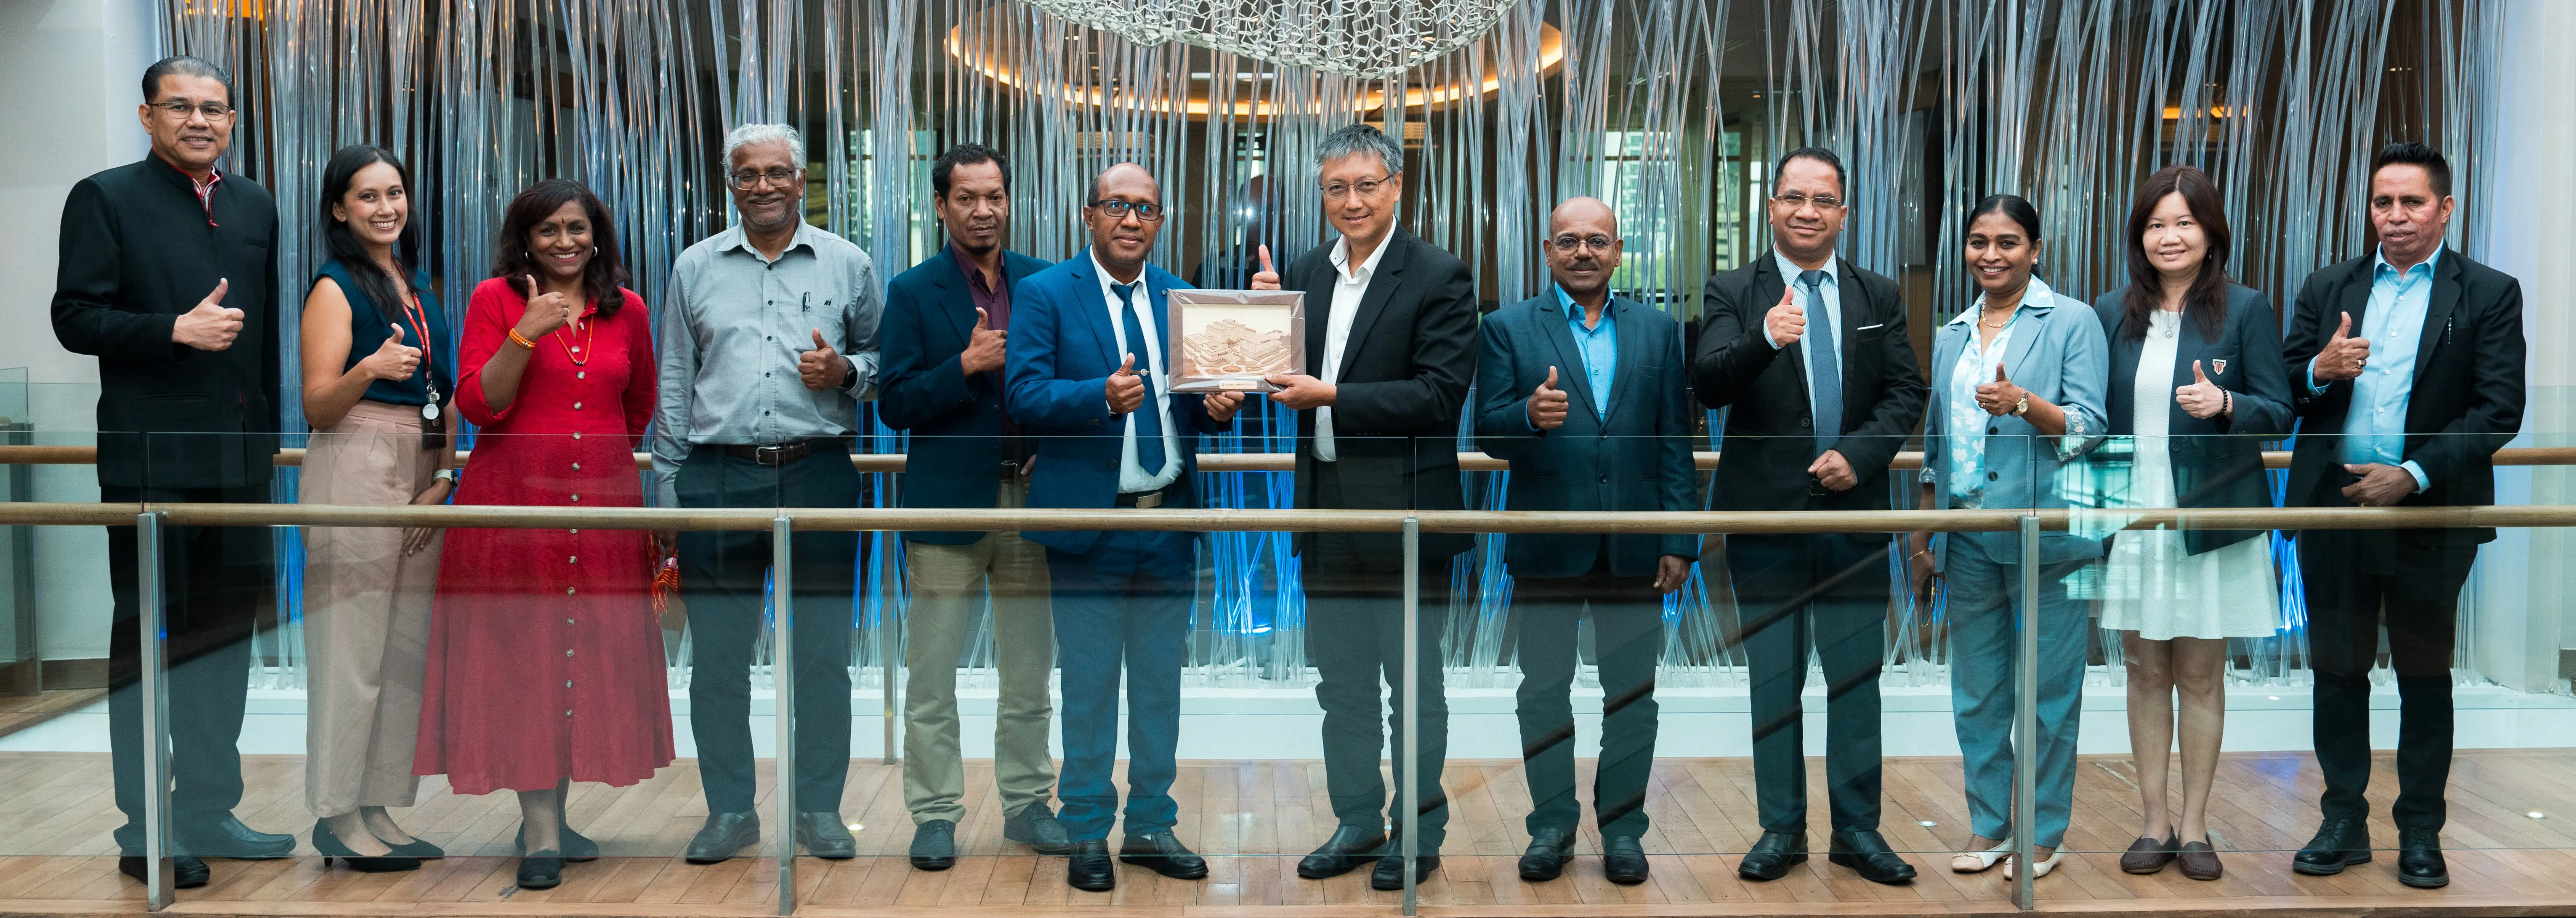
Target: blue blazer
(2058,353)
(1637,457)
(1062,351)
(955,420)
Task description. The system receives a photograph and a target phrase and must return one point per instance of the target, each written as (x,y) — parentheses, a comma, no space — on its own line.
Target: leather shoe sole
(1541,868)
(1194,869)
(2435,881)
(1860,863)
(185,872)
(1752,871)
(2327,869)
(1328,866)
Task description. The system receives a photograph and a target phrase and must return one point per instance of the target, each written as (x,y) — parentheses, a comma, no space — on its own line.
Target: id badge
(433,423)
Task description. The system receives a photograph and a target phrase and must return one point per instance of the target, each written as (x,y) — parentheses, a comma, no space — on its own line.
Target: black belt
(783,453)
(1148,500)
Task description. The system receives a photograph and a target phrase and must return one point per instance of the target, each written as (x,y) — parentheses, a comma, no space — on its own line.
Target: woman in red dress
(545,657)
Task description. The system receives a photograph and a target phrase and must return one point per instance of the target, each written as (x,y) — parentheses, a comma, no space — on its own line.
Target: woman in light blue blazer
(2017,387)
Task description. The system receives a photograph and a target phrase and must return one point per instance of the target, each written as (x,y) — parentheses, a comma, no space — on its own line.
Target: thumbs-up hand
(2001,397)
(393,360)
(985,346)
(210,326)
(1126,390)
(546,311)
(1547,404)
(2344,355)
(1268,279)
(1785,323)
(822,368)
(2202,399)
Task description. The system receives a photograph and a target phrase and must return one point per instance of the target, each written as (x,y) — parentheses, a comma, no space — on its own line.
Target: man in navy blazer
(941,379)
(1088,378)
(1587,395)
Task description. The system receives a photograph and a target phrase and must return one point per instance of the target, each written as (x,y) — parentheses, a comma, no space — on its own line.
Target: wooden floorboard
(1255,818)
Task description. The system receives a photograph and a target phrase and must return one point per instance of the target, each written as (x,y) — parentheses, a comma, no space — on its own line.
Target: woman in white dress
(2197,379)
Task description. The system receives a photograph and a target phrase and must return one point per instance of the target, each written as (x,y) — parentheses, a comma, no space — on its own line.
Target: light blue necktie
(1149,420)
(1826,364)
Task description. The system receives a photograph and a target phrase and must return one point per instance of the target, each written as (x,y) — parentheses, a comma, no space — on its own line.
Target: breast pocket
(2221,365)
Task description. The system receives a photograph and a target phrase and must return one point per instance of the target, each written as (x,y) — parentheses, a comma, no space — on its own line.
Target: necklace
(579,355)
(1981,320)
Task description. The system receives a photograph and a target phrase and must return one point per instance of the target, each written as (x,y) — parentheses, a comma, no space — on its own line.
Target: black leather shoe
(1773,855)
(1623,859)
(186,872)
(576,848)
(541,870)
(230,839)
(1348,849)
(329,844)
(825,836)
(1866,852)
(1389,874)
(724,836)
(1547,854)
(1089,868)
(2419,859)
(2341,842)
(1036,826)
(1163,853)
(934,845)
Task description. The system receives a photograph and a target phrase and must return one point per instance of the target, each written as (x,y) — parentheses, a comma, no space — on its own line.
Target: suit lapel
(1381,288)
(956,299)
(1856,309)
(1767,287)
(2437,312)
(1094,311)
(1571,371)
(2024,337)
(1632,351)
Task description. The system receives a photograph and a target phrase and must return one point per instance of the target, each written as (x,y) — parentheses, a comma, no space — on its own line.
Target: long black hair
(2205,301)
(605,272)
(344,246)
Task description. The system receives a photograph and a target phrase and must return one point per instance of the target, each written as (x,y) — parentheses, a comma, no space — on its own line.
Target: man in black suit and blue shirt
(944,334)
(1820,409)
(2406,376)
(1585,394)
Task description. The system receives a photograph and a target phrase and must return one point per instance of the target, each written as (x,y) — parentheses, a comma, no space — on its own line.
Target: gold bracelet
(521,340)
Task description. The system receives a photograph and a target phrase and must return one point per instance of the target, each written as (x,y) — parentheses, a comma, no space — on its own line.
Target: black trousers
(1627,637)
(2410,580)
(721,579)
(215,581)
(1355,635)
(1828,591)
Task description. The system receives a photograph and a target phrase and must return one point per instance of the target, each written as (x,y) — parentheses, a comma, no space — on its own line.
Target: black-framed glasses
(1568,242)
(1794,200)
(1118,210)
(1366,187)
(747,180)
(179,111)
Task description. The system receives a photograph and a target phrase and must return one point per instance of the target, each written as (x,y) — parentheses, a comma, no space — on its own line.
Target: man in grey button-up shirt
(768,341)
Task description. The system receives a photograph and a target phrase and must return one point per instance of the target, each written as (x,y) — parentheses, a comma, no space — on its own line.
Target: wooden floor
(1255,818)
(18,712)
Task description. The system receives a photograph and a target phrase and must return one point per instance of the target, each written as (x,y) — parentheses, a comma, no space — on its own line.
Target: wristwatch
(2023,406)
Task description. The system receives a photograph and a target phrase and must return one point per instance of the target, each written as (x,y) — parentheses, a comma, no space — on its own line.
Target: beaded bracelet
(521,340)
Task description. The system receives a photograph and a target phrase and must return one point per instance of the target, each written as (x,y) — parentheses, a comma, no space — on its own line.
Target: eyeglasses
(1569,242)
(1794,201)
(747,180)
(1366,187)
(1118,210)
(179,111)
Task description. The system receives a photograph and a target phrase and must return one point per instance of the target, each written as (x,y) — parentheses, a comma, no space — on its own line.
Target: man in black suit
(2406,375)
(945,329)
(1821,376)
(1390,349)
(1586,395)
(169,277)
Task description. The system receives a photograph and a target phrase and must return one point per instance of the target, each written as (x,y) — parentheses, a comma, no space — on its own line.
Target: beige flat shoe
(2039,871)
(1979,861)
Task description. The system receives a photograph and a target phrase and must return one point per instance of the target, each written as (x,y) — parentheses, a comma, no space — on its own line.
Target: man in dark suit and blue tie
(1586,395)
(1088,378)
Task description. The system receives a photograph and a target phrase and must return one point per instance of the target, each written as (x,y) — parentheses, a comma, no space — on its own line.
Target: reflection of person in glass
(1818,411)
(2018,389)
(378,370)
(947,326)
(1575,385)
(2196,377)
(557,364)
(2406,373)
(1088,378)
(768,338)
(168,276)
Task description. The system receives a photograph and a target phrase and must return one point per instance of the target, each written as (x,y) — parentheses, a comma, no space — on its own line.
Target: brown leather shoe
(2200,861)
(2147,855)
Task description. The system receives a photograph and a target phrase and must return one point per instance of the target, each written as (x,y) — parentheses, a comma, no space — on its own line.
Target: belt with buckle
(1148,500)
(783,453)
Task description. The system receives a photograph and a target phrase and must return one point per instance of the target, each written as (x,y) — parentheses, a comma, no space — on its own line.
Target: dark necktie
(1826,364)
(1149,420)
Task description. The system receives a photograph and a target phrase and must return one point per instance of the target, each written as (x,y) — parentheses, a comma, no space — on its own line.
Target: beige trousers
(366,614)
(949,585)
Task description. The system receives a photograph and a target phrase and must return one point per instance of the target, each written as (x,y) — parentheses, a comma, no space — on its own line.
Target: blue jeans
(1985,647)
(1125,604)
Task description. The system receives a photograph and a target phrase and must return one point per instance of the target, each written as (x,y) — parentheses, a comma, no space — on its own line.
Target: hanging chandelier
(1359,38)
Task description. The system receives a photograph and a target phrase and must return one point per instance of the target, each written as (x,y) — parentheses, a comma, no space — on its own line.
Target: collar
(1574,311)
(966,265)
(2036,298)
(213,178)
(2379,262)
(1106,280)
(1789,270)
(1342,258)
(732,237)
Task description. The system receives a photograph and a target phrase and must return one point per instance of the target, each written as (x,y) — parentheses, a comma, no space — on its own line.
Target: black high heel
(541,870)
(331,846)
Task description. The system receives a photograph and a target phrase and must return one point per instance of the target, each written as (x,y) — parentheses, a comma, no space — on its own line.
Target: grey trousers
(950,584)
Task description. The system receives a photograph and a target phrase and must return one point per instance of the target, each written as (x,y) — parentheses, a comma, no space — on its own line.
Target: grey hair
(1356,139)
(749,134)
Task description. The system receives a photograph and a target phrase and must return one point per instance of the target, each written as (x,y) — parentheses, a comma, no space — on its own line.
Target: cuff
(2313,388)
(1766,339)
(2422,482)
(850,381)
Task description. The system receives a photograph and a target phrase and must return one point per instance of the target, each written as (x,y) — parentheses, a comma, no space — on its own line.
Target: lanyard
(419,316)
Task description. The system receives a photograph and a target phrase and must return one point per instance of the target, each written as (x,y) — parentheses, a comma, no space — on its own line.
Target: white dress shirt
(1824,318)
(1349,286)
(1131,475)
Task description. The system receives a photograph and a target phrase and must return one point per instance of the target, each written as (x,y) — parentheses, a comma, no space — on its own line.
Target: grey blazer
(2058,353)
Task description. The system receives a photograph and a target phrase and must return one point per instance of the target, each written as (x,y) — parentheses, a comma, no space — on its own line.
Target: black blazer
(138,250)
(2217,462)
(955,419)
(1637,457)
(2468,395)
(1404,375)
(1762,462)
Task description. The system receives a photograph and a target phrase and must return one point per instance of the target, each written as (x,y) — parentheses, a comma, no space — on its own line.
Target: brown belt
(783,453)
(1148,500)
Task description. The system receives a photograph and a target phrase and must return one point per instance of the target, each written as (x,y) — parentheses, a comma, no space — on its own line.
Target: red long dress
(545,657)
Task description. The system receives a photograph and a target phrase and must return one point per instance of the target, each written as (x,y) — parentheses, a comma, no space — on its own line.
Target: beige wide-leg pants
(366,614)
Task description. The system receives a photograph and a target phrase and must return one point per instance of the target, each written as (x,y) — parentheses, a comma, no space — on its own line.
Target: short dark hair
(1819,154)
(183,65)
(2415,153)
(966,154)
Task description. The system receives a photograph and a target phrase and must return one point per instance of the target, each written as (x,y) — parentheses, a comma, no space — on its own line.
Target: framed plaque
(1227,340)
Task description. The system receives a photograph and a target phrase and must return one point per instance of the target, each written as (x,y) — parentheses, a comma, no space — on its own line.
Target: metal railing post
(782,598)
(2026,739)
(154,699)
(889,670)
(1410,763)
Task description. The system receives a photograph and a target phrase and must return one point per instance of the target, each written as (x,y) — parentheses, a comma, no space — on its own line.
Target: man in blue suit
(1586,395)
(942,380)
(1088,378)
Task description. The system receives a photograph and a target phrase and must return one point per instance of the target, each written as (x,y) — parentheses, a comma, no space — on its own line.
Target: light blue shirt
(1976,367)
(1158,397)
(2374,428)
(1824,316)
(1599,345)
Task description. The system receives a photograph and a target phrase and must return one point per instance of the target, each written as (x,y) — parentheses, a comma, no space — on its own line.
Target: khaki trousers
(950,584)
(366,614)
